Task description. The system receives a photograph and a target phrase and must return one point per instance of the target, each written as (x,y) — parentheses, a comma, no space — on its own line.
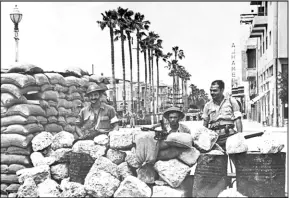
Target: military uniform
(221,117)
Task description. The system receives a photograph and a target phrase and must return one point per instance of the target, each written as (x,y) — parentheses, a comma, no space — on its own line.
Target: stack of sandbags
(62,97)
(19,124)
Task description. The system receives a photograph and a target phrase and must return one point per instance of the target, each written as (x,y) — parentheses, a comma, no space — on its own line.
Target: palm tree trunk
(158,84)
(150,77)
(153,87)
(146,80)
(138,83)
(112,69)
(131,81)
(123,71)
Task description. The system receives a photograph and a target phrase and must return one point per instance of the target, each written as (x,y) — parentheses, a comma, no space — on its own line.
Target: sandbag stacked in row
(19,124)
(62,98)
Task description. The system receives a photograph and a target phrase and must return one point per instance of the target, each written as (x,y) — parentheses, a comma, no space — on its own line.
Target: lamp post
(16,17)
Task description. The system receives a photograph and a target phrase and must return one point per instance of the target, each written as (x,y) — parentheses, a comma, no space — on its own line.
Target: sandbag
(268,143)
(76,71)
(42,120)
(147,148)
(46,87)
(95,78)
(22,129)
(3,111)
(80,89)
(11,89)
(48,95)
(18,80)
(15,119)
(52,103)
(170,153)
(60,88)
(13,168)
(204,138)
(41,79)
(61,95)
(52,119)
(69,128)
(77,104)
(179,139)
(51,111)
(25,110)
(75,112)
(71,80)
(12,188)
(72,89)
(56,78)
(71,120)
(53,128)
(3,189)
(4,168)
(30,90)
(83,82)
(230,192)
(31,120)
(73,96)
(8,100)
(62,121)
(25,68)
(44,104)
(64,112)
(15,159)
(18,150)
(8,140)
(64,103)
(9,178)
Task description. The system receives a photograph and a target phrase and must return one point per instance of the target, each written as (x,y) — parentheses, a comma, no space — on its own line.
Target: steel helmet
(93,88)
(173,110)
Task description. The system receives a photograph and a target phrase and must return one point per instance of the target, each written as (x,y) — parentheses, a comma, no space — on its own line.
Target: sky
(58,35)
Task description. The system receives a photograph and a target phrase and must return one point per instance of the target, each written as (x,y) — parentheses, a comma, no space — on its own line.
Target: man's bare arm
(206,123)
(239,125)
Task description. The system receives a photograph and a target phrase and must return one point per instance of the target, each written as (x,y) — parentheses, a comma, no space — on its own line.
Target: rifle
(253,135)
(159,134)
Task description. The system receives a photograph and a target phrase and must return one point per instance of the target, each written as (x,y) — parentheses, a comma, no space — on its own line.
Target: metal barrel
(260,175)
(210,176)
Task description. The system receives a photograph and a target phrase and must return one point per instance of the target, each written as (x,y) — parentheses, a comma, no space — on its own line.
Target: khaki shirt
(106,116)
(228,110)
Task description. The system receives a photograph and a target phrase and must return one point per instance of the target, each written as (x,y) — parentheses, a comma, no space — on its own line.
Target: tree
(198,97)
(139,24)
(122,16)
(109,20)
(143,45)
(130,27)
(283,86)
(158,54)
(151,46)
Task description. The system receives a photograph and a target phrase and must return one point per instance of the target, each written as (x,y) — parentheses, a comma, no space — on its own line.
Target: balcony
(256,3)
(255,35)
(251,44)
(260,21)
(251,73)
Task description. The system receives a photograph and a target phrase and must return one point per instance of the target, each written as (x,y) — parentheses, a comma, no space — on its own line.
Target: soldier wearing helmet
(98,117)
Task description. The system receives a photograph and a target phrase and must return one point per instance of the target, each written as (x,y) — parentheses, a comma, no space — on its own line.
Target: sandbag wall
(33,102)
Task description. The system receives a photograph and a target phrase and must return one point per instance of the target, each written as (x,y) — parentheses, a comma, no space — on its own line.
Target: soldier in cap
(173,116)
(98,117)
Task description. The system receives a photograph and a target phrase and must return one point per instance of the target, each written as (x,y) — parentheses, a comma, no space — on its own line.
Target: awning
(258,97)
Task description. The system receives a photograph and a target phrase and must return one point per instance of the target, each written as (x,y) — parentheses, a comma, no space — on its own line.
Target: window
(263,47)
(261,51)
(270,38)
(266,42)
(271,71)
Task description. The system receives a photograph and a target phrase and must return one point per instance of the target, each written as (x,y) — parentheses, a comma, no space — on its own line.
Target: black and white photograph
(144,99)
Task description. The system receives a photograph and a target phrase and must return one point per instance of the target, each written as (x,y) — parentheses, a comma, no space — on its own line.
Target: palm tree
(152,38)
(143,45)
(139,24)
(109,20)
(158,54)
(122,16)
(130,28)
(179,54)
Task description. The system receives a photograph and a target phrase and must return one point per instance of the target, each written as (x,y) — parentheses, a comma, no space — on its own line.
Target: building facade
(264,56)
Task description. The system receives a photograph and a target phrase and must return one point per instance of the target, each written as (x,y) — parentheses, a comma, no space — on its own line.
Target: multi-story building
(264,56)
(145,99)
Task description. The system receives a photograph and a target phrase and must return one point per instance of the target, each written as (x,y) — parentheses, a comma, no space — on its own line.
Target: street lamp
(16,17)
